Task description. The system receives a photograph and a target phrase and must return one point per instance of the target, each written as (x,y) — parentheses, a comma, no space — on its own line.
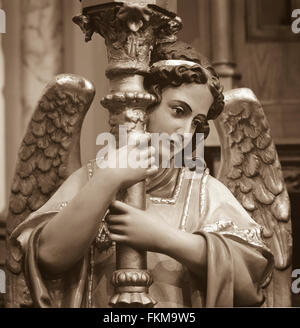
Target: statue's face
(177,110)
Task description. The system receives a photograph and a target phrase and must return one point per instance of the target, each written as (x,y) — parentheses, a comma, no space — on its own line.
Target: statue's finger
(114,219)
(118,238)
(116,229)
(120,206)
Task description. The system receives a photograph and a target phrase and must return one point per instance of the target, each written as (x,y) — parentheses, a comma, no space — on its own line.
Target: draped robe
(238,263)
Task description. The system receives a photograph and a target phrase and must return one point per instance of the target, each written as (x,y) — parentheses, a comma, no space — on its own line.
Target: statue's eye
(178,110)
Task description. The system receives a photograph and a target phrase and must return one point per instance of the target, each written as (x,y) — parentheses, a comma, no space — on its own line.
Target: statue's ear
(49,153)
(251,170)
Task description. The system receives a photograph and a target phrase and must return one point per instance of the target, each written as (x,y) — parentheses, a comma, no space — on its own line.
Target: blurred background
(250,43)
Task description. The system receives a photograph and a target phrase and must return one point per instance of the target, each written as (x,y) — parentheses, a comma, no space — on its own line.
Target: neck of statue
(163,183)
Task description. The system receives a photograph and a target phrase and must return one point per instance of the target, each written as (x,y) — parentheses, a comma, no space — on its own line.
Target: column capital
(130,29)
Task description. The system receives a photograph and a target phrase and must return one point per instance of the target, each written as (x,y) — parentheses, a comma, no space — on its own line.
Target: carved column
(42,46)
(130,29)
(222,41)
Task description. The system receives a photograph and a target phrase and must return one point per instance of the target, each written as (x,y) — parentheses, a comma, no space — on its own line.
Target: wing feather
(251,170)
(49,153)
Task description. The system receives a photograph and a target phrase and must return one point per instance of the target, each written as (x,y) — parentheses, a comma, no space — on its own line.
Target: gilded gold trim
(252,236)
(173,200)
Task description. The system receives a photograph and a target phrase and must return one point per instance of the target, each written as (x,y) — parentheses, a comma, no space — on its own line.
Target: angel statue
(208,243)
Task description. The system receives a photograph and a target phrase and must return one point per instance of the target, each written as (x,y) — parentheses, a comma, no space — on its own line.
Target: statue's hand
(136,228)
(129,164)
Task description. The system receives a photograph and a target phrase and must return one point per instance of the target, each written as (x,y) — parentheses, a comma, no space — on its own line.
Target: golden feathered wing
(251,170)
(49,153)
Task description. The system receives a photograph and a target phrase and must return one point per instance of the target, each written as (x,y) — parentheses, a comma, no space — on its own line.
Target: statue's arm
(215,260)
(225,259)
(221,266)
(188,249)
(65,239)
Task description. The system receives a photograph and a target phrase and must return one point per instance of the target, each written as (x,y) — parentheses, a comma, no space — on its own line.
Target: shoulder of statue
(217,186)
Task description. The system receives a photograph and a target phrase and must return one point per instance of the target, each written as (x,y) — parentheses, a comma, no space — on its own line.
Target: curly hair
(202,73)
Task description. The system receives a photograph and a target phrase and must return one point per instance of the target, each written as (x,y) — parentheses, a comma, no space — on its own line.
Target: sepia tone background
(249,42)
